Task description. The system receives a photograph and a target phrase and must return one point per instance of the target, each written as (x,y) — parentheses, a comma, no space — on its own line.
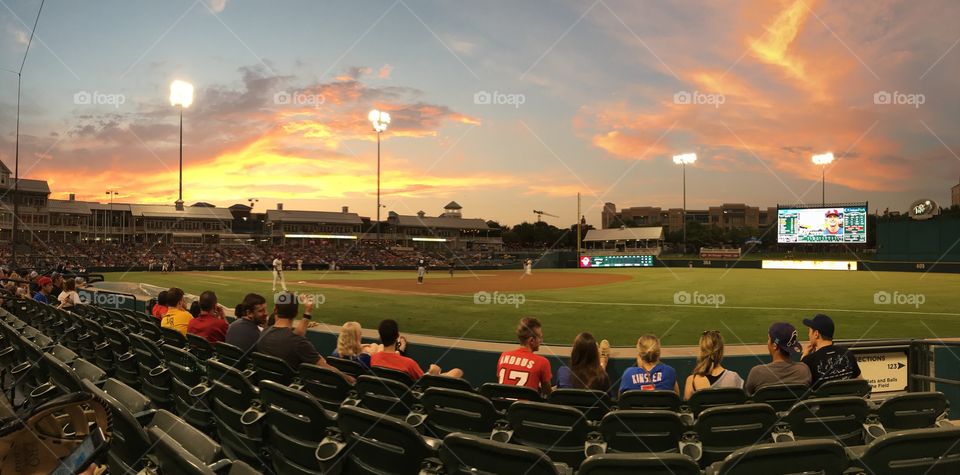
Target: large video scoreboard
(837,224)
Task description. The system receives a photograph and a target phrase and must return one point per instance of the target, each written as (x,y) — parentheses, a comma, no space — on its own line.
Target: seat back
(927,451)
(780,396)
(295,427)
(61,375)
(642,430)
(328,386)
(826,457)
(133,400)
(560,431)
(190,438)
(714,397)
(389,373)
(173,457)
(87,370)
(173,337)
(379,444)
(428,381)
(128,442)
(723,429)
(469,455)
(231,394)
(592,403)
(351,367)
(503,395)
(912,410)
(199,346)
(230,355)
(659,399)
(187,372)
(272,368)
(647,464)
(452,410)
(843,387)
(839,418)
(385,396)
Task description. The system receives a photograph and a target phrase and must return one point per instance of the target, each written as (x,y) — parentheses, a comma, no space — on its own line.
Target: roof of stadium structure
(30,186)
(439,222)
(69,206)
(453,205)
(625,234)
(313,216)
(170,211)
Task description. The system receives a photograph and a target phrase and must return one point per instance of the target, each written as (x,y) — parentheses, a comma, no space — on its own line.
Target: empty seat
(843,387)
(351,367)
(912,410)
(155,380)
(503,395)
(436,381)
(187,372)
(723,429)
(87,370)
(176,457)
(328,386)
(385,396)
(839,418)
(826,457)
(659,399)
(173,337)
(129,442)
(713,397)
(780,396)
(378,445)
(593,404)
(125,362)
(135,401)
(451,410)
(916,451)
(230,395)
(647,464)
(559,431)
(200,347)
(273,369)
(468,455)
(388,373)
(230,355)
(296,425)
(642,430)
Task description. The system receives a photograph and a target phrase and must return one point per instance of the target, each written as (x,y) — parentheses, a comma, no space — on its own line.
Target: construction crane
(540,214)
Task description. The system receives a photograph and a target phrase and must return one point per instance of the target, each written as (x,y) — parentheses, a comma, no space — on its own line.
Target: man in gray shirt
(782,342)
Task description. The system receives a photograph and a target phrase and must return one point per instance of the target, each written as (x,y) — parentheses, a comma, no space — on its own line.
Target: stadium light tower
(379,120)
(111,193)
(823,159)
(181,96)
(683,159)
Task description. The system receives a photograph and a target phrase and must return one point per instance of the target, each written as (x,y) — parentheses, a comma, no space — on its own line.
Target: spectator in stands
(57,285)
(160,308)
(284,341)
(649,373)
(350,346)
(211,323)
(781,344)
(195,309)
(45,286)
(709,372)
(521,367)
(177,316)
(251,316)
(69,297)
(393,356)
(826,361)
(587,370)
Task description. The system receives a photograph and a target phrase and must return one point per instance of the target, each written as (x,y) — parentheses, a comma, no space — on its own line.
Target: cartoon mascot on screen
(834,223)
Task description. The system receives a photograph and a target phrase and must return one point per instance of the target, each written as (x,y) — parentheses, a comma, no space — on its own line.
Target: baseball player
(421,270)
(278,274)
(528,267)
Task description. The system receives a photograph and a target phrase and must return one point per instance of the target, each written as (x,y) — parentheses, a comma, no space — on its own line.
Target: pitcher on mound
(278,274)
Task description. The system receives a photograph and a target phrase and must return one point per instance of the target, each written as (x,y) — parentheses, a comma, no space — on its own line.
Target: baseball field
(618,304)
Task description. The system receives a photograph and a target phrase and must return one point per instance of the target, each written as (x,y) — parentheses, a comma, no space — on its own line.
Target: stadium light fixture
(683,159)
(823,159)
(181,96)
(380,120)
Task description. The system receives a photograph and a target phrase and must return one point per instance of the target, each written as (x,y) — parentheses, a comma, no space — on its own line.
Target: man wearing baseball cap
(46,286)
(782,343)
(826,361)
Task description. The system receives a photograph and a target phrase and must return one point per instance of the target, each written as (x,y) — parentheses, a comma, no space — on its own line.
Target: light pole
(181,95)
(380,120)
(682,160)
(823,159)
(111,193)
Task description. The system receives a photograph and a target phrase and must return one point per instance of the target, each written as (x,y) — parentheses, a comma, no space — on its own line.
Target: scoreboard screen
(616,261)
(822,225)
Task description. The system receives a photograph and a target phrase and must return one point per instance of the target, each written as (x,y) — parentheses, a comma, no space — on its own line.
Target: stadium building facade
(725,216)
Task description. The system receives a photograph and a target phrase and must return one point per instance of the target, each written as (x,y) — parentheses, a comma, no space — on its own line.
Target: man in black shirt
(244,333)
(826,361)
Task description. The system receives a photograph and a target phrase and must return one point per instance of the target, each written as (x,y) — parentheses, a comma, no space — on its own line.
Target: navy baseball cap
(784,335)
(822,324)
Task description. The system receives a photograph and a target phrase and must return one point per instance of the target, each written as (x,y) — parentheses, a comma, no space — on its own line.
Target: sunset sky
(586,96)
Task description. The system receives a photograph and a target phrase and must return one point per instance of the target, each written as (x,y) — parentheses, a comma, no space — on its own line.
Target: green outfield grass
(620,312)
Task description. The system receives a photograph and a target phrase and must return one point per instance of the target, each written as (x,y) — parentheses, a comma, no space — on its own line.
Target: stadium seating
(329,387)
(230,396)
(273,369)
(199,346)
(385,396)
(353,368)
(917,451)
(468,455)
(173,337)
(713,397)
(559,431)
(660,399)
(173,457)
(593,404)
(378,444)
(503,395)
(723,429)
(450,410)
(912,410)
(843,387)
(436,381)
(825,457)
(230,355)
(296,425)
(187,372)
(839,418)
(780,396)
(392,374)
(652,464)
(642,430)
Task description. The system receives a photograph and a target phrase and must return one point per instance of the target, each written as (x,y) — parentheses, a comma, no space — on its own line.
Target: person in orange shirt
(177,316)
(160,308)
(521,367)
(392,356)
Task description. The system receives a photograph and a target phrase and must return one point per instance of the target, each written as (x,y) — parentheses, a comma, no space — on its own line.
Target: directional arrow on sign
(900,365)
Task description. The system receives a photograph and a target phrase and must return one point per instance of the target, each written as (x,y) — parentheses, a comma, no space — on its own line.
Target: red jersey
(521,367)
(159,311)
(211,327)
(398,362)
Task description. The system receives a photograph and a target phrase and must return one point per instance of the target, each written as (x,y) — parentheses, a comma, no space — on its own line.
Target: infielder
(421,270)
(528,267)
(278,274)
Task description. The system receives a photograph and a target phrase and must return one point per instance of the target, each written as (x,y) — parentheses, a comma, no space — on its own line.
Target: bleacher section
(182,406)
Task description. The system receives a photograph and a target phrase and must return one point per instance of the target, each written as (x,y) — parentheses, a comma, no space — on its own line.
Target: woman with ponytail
(709,372)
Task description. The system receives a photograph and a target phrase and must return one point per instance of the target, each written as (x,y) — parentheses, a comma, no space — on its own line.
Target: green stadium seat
(173,337)
(179,455)
(395,375)
(126,368)
(559,431)
(464,454)
(659,399)
(230,355)
(642,430)
(385,396)
(503,395)
(130,398)
(351,367)
(379,445)
(155,379)
(187,372)
(714,397)
(63,353)
(646,464)
(593,404)
(436,381)
(915,451)
(839,418)
(826,457)
(724,429)
(296,425)
(129,442)
(451,410)
(271,368)
(843,387)
(328,386)
(87,370)
(230,396)
(780,396)
(912,410)
(200,347)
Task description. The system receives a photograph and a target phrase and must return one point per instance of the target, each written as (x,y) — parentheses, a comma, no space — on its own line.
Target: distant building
(955,195)
(725,216)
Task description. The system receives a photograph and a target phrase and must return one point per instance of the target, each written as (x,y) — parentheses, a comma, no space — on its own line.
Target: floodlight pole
(683,214)
(823,185)
(180,196)
(378,187)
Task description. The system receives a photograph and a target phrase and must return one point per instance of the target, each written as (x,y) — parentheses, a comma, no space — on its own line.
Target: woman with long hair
(349,346)
(650,373)
(587,370)
(708,372)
